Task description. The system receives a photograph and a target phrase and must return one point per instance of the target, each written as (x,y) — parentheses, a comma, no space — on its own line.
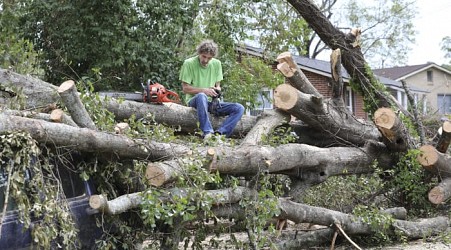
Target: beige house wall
(440,84)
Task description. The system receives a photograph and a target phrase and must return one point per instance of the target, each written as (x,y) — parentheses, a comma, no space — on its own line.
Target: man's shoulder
(215,62)
(191,60)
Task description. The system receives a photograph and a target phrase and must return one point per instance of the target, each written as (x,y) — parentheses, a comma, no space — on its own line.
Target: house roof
(401,73)
(323,68)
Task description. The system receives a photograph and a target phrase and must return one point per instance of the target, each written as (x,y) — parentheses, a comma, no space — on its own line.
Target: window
(444,104)
(349,99)
(264,98)
(429,76)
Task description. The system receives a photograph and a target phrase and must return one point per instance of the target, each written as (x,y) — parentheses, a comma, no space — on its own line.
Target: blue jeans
(233,111)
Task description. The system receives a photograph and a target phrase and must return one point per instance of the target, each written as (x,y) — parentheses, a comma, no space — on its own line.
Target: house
(431,77)
(319,74)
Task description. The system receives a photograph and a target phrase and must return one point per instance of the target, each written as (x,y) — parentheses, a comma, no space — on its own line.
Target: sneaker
(214,139)
(208,137)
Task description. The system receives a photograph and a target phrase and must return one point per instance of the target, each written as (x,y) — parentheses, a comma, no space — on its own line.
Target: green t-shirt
(201,77)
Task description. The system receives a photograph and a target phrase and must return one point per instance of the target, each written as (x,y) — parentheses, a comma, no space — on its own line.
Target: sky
(433,23)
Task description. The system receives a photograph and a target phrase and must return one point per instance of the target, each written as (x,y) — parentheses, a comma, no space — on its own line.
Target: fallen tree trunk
(83,139)
(40,94)
(297,160)
(353,225)
(34,92)
(130,201)
(266,123)
(323,116)
(172,114)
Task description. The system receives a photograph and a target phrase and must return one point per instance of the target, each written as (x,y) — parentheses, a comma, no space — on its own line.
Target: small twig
(347,237)
(332,247)
(5,205)
(250,235)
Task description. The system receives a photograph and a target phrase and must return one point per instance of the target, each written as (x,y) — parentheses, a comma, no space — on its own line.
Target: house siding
(440,85)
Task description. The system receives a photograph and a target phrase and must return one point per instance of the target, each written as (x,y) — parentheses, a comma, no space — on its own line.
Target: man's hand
(210,92)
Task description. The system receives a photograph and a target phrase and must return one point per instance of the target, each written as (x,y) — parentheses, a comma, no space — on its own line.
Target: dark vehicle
(77,192)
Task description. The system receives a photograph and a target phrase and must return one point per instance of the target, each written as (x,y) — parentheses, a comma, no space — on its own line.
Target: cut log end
(446,127)
(57,115)
(285,97)
(121,128)
(155,176)
(98,202)
(428,156)
(285,69)
(65,86)
(436,195)
(385,118)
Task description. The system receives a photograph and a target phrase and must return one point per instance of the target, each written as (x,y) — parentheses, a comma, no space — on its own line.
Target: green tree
(446,47)
(16,53)
(387,29)
(121,43)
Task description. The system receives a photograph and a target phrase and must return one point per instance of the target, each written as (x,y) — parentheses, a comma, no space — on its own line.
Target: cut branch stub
(391,128)
(159,173)
(57,115)
(285,97)
(295,76)
(77,110)
(285,69)
(385,119)
(445,137)
(440,193)
(434,161)
(286,57)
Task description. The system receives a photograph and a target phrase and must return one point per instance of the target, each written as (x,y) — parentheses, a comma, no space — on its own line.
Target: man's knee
(239,108)
(201,96)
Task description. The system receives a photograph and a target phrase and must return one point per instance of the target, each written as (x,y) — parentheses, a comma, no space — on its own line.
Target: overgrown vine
(35,190)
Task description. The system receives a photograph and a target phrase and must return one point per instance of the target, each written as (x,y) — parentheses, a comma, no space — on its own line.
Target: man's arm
(188,89)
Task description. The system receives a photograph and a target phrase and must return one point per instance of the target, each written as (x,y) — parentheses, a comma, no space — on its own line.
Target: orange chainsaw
(154,92)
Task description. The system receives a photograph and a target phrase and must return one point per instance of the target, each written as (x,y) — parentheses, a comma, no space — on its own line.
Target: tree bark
(119,205)
(126,202)
(353,225)
(83,139)
(297,160)
(37,93)
(172,114)
(41,116)
(40,94)
(266,123)
(295,75)
(77,110)
(445,138)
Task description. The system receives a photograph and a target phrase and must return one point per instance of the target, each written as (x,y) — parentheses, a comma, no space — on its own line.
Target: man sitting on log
(201,76)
